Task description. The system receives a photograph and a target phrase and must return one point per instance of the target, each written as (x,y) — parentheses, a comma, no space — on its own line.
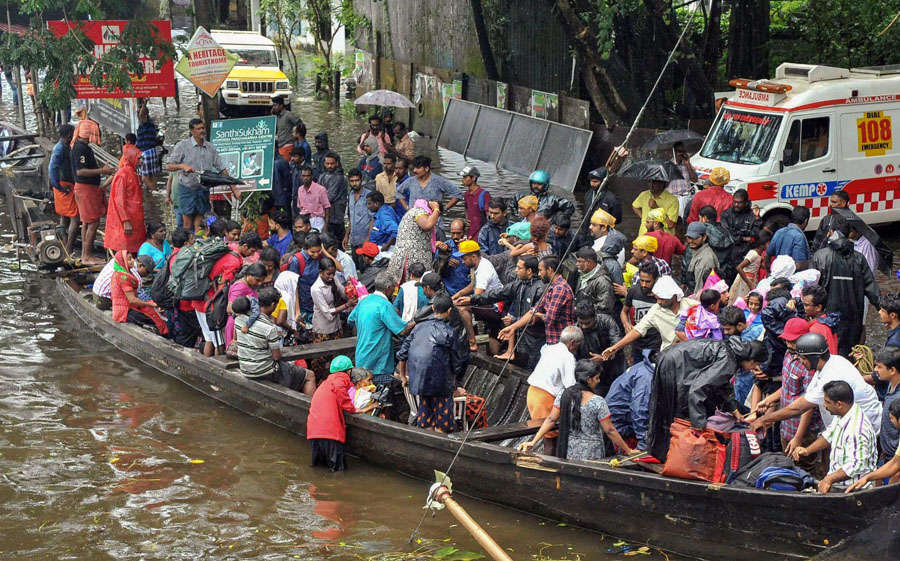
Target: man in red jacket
(713,194)
(326,429)
(814,298)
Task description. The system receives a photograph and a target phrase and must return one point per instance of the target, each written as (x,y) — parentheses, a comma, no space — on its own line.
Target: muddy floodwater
(104,458)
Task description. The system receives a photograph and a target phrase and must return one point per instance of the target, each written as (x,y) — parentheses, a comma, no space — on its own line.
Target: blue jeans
(743,384)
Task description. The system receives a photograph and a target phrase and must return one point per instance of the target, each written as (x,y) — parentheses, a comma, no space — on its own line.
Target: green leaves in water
(426,552)
(452,554)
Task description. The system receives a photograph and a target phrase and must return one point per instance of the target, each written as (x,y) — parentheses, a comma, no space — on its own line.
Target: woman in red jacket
(125,212)
(326,429)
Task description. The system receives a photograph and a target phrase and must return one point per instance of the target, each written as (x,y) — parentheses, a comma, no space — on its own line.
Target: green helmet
(341,363)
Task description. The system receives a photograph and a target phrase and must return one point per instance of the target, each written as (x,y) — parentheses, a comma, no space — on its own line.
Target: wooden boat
(686,517)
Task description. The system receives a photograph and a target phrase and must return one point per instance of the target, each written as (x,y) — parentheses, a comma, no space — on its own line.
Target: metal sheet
(515,142)
(457,124)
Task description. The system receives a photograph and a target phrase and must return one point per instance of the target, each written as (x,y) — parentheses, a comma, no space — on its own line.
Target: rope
(566,253)
(866,362)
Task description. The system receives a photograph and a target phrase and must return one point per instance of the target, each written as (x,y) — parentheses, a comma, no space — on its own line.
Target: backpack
(217,309)
(301,263)
(784,479)
(748,475)
(189,277)
(160,291)
(741,448)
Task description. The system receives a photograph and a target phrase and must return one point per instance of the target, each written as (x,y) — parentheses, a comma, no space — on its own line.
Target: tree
(55,62)
(282,14)
(326,18)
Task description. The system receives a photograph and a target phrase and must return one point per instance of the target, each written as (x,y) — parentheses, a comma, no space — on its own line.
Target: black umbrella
(885,254)
(652,170)
(666,140)
(213,179)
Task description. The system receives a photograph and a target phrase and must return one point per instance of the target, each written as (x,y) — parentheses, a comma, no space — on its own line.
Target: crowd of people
(741,314)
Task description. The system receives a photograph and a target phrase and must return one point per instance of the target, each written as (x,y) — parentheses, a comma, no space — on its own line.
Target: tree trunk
(748,39)
(595,79)
(484,41)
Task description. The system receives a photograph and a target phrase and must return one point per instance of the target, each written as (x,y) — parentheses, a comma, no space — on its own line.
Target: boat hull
(686,517)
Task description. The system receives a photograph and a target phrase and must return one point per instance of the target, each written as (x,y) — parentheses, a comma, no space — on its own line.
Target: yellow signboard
(874,135)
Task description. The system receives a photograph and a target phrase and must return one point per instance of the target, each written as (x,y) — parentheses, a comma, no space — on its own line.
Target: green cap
(521,230)
(341,363)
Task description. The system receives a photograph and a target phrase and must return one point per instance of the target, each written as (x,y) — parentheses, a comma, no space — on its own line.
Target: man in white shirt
(813,351)
(555,371)
(484,277)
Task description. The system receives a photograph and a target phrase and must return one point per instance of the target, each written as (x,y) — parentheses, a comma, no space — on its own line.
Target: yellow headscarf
(529,201)
(603,218)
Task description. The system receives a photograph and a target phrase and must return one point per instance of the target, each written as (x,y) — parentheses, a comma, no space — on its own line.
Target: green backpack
(189,277)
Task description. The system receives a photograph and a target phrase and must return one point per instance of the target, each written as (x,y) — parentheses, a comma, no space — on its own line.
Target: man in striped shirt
(259,349)
(850,436)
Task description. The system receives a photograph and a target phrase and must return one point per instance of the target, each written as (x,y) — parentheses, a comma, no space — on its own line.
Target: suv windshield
(255,57)
(742,137)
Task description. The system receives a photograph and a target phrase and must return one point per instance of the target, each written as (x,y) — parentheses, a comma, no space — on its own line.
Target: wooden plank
(347,345)
(502,432)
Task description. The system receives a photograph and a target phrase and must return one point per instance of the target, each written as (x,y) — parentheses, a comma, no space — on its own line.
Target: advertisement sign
(542,103)
(501,95)
(114,114)
(206,64)
(156,81)
(247,148)
(874,134)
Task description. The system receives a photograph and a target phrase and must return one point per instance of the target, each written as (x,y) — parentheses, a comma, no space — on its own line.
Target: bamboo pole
(484,539)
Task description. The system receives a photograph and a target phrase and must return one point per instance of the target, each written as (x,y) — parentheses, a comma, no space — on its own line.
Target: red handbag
(694,454)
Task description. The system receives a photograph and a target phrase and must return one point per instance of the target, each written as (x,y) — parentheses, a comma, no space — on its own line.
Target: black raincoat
(435,362)
(318,157)
(692,379)
(518,297)
(548,205)
(605,333)
(740,225)
(848,280)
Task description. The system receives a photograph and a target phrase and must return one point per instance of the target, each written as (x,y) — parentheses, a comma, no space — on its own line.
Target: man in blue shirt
(62,180)
(454,274)
(889,314)
(376,320)
(791,240)
(423,184)
(384,221)
(628,400)
(489,235)
(280,226)
(359,215)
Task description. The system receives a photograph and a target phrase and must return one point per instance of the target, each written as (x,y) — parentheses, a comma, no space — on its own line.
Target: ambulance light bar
(759,86)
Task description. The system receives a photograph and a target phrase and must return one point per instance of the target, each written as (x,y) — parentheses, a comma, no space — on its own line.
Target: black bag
(741,448)
(160,291)
(747,475)
(217,309)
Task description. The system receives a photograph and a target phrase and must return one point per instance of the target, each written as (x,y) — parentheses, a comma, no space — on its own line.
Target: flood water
(103,458)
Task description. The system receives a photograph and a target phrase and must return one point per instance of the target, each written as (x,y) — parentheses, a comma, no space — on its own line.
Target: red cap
(795,328)
(369,249)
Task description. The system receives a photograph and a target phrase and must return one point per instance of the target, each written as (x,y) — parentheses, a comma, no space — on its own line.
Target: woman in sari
(125,212)
(415,238)
(126,306)
(246,286)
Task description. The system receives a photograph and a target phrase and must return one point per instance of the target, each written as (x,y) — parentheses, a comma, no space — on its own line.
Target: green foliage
(58,60)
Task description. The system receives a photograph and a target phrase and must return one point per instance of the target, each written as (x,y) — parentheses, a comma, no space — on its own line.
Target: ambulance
(813,130)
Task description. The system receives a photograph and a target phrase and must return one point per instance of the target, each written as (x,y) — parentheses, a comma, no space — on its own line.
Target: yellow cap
(603,218)
(657,215)
(647,243)
(469,246)
(719,176)
(529,201)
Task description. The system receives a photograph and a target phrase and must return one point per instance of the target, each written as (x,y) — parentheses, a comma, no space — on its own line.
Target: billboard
(247,148)
(156,81)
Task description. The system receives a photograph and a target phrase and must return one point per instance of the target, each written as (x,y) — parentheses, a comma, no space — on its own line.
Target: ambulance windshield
(742,137)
